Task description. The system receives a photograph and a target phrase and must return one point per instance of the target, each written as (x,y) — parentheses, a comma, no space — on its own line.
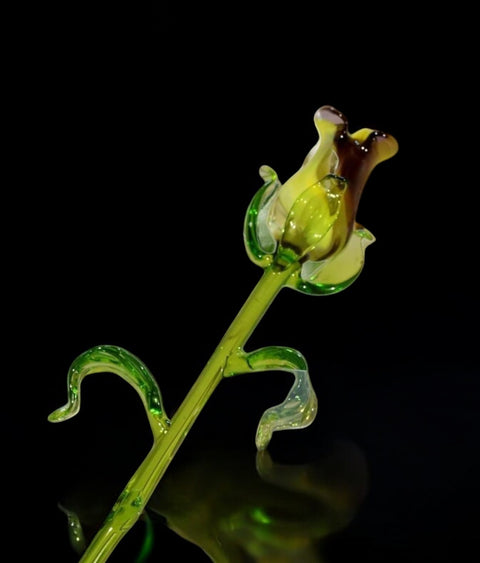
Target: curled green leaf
(299,408)
(116,360)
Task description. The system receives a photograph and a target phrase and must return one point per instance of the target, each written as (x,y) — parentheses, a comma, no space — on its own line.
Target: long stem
(136,494)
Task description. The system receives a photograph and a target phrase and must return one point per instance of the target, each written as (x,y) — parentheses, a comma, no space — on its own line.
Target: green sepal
(261,252)
(337,273)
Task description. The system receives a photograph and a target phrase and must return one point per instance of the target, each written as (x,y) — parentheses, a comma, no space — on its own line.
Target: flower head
(311,218)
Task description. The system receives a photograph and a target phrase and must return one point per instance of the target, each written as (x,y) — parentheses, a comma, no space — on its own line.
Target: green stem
(136,494)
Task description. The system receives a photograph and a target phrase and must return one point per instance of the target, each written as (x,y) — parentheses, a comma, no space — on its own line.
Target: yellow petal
(384,146)
(343,266)
(320,161)
(361,135)
(308,227)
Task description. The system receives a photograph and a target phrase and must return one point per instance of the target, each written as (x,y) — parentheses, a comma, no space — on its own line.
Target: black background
(146,145)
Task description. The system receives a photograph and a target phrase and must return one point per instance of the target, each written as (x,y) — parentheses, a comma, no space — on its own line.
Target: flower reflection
(237,508)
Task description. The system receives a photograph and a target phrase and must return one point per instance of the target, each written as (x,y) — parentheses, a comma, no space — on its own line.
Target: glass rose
(311,218)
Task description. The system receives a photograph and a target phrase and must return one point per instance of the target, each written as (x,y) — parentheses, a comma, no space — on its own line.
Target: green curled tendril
(120,362)
(299,408)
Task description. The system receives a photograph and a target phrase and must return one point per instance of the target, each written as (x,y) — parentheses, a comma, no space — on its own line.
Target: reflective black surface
(388,471)
(236,507)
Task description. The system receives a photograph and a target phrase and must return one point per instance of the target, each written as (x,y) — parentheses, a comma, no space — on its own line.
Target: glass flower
(305,235)
(311,218)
